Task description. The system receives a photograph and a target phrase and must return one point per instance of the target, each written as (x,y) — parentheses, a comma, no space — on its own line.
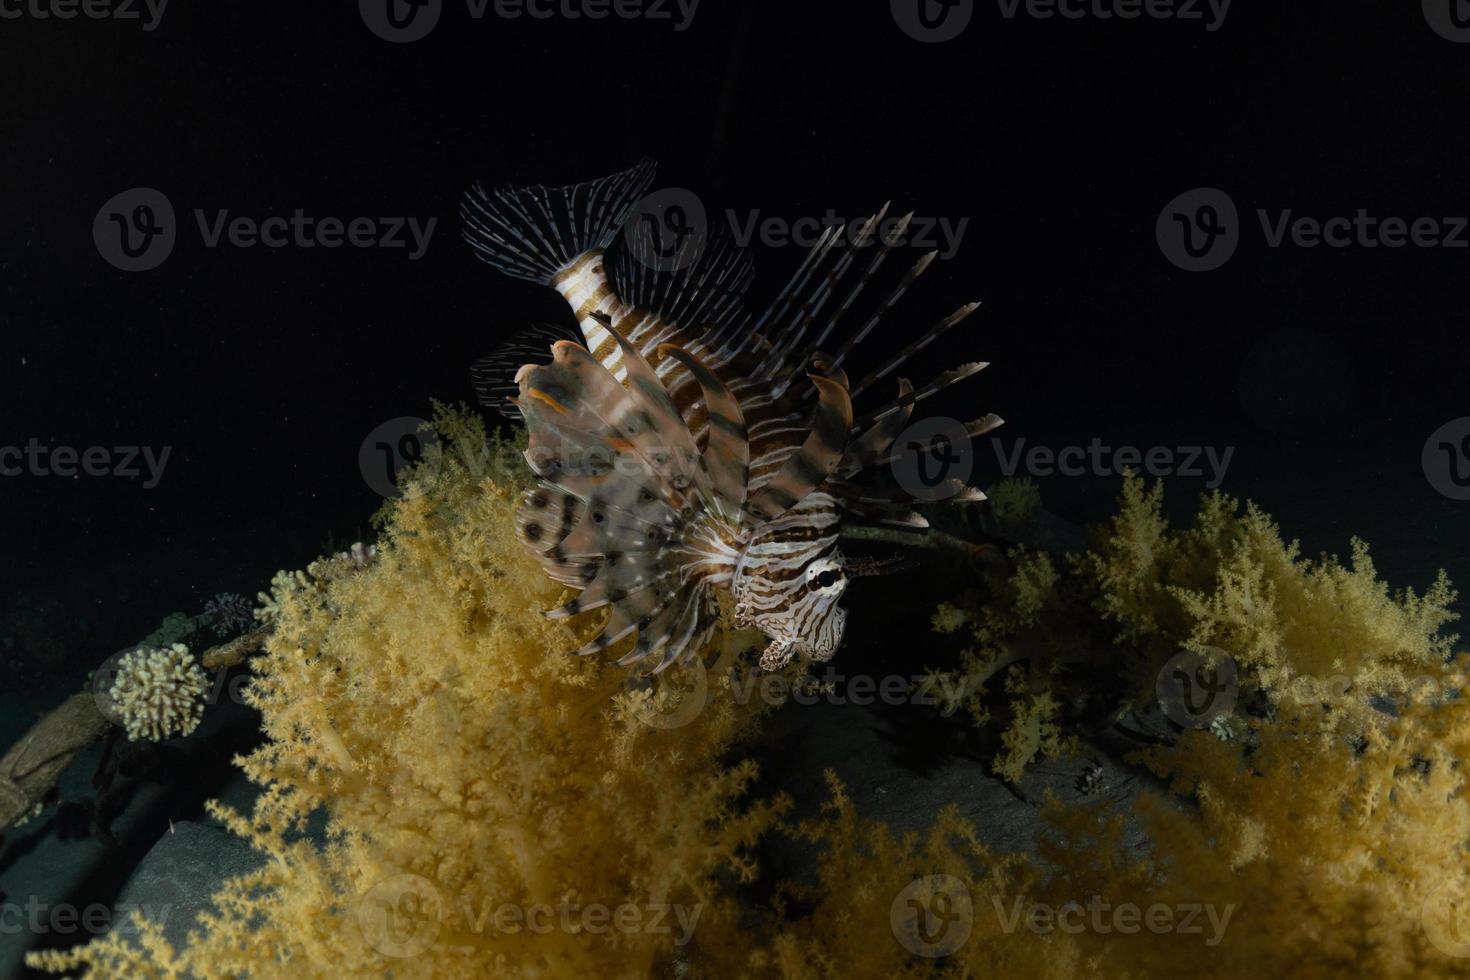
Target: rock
(175,880)
(901,764)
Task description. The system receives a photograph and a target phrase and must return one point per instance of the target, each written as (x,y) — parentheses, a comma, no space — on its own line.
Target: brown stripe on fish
(818,456)
(727,453)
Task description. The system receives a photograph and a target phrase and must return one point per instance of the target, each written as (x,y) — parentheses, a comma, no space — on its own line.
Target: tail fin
(535,232)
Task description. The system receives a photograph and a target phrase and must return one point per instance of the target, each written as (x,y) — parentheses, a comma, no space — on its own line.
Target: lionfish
(678,451)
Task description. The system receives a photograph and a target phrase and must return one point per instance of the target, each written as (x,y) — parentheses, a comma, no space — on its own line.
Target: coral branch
(234,652)
(32,766)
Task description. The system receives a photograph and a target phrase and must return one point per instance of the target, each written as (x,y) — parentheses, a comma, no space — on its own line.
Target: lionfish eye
(826,578)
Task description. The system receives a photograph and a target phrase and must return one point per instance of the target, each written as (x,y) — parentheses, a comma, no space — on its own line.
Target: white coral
(159,693)
(313,582)
(282,585)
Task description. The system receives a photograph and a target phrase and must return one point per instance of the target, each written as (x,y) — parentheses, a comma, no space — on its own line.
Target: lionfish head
(789,581)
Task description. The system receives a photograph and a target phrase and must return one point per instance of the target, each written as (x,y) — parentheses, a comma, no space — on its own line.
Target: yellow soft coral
(1320,638)
(940,904)
(1015,502)
(1331,859)
(466,765)
(474,776)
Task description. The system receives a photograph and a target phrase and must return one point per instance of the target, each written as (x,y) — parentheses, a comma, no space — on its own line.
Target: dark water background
(1060,141)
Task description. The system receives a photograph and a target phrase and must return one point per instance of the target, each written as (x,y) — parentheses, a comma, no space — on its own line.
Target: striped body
(774,426)
(677,452)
